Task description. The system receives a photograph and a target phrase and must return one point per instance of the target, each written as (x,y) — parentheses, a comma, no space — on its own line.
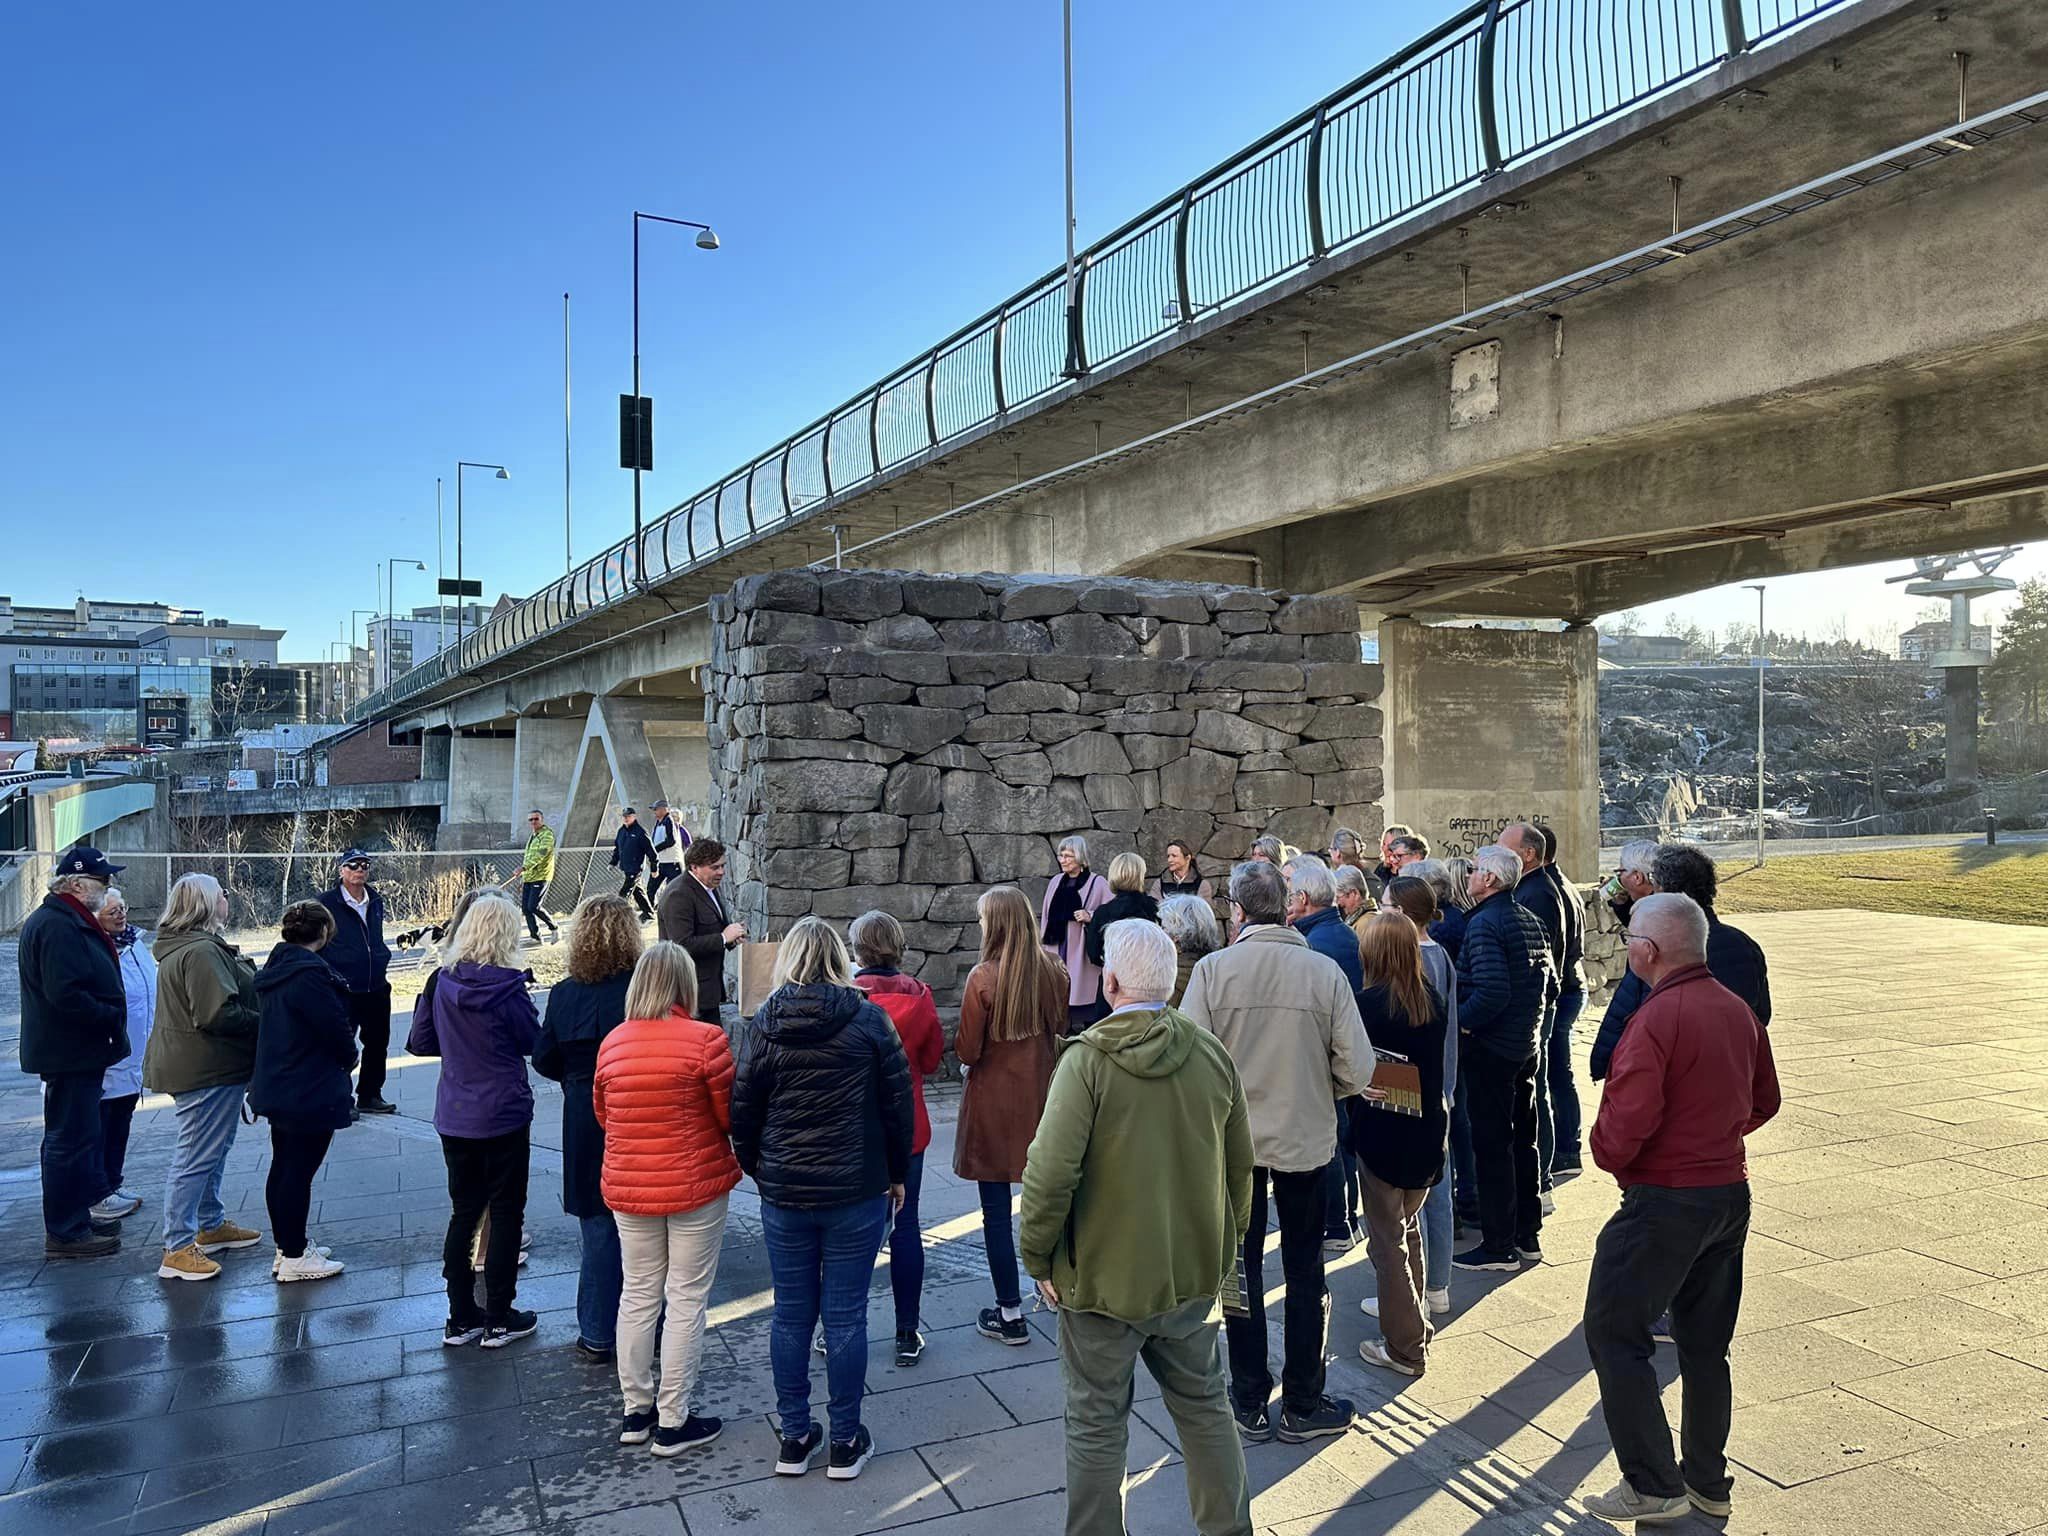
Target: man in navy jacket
(1505,987)
(631,850)
(360,957)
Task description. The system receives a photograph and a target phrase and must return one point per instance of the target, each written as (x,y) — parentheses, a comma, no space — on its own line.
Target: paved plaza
(1891,1369)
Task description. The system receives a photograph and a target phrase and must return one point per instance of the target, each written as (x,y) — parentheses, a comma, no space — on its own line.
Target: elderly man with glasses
(360,957)
(1690,1079)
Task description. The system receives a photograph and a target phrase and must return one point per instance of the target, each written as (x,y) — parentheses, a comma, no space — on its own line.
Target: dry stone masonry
(904,741)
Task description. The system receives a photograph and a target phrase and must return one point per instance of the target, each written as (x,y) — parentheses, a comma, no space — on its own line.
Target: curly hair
(604,939)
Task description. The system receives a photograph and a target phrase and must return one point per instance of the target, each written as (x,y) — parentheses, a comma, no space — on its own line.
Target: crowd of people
(1369,1044)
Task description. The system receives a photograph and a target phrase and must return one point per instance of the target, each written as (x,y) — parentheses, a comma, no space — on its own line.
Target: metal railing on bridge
(1497,83)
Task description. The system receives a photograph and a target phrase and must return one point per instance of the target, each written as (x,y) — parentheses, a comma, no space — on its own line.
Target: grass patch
(2008,884)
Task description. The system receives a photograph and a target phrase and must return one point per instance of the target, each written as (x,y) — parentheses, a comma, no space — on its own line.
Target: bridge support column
(480,792)
(543,759)
(1489,726)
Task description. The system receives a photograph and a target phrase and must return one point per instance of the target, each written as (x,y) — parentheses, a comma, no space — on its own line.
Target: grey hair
(1349,877)
(1309,878)
(1076,845)
(1191,923)
(1458,871)
(1504,864)
(1260,892)
(1638,857)
(1436,874)
(1674,923)
(877,939)
(113,897)
(74,885)
(1141,958)
(1270,846)
(812,951)
(192,905)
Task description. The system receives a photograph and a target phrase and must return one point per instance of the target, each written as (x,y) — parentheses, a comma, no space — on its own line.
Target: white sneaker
(277,1255)
(1622,1502)
(1439,1302)
(117,1205)
(1370,1306)
(1549,1204)
(310,1265)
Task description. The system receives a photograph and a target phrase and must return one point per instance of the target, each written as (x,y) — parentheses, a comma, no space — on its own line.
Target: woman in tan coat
(1014,1008)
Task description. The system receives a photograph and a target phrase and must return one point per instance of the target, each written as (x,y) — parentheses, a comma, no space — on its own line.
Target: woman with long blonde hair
(583,1008)
(1013,1010)
(1400,1138)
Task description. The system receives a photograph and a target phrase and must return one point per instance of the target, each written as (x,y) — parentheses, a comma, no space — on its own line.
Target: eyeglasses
(357,864)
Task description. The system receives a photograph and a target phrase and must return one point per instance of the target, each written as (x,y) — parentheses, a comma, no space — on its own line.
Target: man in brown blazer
(692,913)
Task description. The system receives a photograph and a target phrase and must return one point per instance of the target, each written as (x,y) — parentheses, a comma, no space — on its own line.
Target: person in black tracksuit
(1538,893)
(1566,1119)
(360,957)
(632,851)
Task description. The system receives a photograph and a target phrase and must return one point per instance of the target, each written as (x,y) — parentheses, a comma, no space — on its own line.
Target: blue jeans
(207,1121)
(73,1174)
(1436,1236)
(1464,1171)
(821,1261)
(1564,1092)
(999,1241)
(1341,1192)
(599,1282)
(906,1252)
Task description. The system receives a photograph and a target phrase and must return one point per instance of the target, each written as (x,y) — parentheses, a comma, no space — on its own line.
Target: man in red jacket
(1690,1079)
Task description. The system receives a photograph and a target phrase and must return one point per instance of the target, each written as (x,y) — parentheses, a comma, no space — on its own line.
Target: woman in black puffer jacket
(822,1119)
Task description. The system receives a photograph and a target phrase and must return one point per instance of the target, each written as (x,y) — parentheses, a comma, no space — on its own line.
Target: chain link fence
(2019,803)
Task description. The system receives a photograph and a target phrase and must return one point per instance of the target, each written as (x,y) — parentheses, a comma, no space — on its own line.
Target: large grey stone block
(818,786)
(1338,648)
(985,731)
(1089,634)
(791,830)
(812,869)
(1155,751)
(1111,599)
(942,597)
(904,632)
(912,727)
(876,866)
(1166,823)
(782,688)
(1242,600)
(906,903)
(913,790)
(927,669)
(1317,616)
(1337,722)
(1264,647)
(872,829)
(1024,768)
(1291,718)
(981,802)
(1063,669)
(937,858)
(1221,732)
(956,754)
(1196,781)
(1349,787)
(1173,642)
(819,722)
(988,670)
(1271,791)
(852,692)
(1334,679)
(1112,792)
(1030,697)
(1047,729)
(1017,638)
(1243,623)
(1184,607)
(1037,600)
(1143,674)
(1094,752)
(859,595)
(1166,722)
(951,696)
(771,626)
(1278,676)
(789,591)
(1000,858)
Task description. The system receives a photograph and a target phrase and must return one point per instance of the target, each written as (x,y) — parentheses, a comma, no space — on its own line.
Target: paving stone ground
(1891,1368)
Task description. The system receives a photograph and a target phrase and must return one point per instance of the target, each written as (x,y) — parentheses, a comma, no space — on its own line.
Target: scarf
(127,937)
(1060,911)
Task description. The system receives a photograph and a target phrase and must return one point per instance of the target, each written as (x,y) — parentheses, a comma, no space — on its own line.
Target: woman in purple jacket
(479,1020)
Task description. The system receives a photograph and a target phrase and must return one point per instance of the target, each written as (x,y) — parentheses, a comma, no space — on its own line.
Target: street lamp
(1757,588)
(340,678)
(1075,367)
(642,444)
(391,604)
(461,597)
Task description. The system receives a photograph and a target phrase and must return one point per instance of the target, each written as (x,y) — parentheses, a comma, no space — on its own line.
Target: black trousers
(370,1013)
(1299,1199)
(632,884)
(484,1173)
(1679,1249)
(529,903)
(663,874)
(116,1116)
(295,1156)
(73,1179)
(1503,1112)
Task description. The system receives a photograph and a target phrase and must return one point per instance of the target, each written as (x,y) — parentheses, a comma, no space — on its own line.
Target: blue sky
(272,269)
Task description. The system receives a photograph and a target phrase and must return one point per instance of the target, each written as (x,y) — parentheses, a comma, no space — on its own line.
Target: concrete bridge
(1617,324)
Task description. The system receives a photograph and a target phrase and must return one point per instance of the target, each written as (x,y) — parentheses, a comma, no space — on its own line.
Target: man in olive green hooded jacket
(1137,1192)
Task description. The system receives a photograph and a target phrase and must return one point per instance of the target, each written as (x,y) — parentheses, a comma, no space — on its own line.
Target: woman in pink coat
(1071,898)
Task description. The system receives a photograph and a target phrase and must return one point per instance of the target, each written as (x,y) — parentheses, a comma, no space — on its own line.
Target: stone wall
(905,741)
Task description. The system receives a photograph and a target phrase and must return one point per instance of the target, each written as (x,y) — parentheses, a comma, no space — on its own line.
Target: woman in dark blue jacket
(305,1047)
(604,946)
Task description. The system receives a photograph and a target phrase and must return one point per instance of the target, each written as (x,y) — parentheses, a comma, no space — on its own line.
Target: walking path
(1891,1370)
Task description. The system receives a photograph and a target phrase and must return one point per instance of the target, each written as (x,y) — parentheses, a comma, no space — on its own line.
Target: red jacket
(1690,1079)
(909,1004)
(663,1094)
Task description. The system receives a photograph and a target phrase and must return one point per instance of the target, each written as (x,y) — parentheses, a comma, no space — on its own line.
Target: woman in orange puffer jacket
(663,1094)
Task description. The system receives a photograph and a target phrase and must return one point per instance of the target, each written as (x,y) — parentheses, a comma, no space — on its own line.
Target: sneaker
(1622,1502)
(1438,1302)
(228,1235)
(1339,1245)
(1660,1330)
(1486,1258)
(909,1348)
(517,1325)
(686,1436)
(103,1226)
(848,1459)
(120,1203)
(1720,1509)
(309,1265)
(1329,1416)
(454,1335)
(1370,1306)
(1548,1202)
(186,1263)
(376,1104)
(1374,1352)
(1529,1253)
(1013,1331)
(80,1248)
(277,1255)
(1254,1425)
(1563,1171)
(596,1354)
(637,1427)
(797,1455)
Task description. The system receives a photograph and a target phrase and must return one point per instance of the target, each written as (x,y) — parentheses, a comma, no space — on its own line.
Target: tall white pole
(568,555)
(1760,670)
(1073,289)
(440,565)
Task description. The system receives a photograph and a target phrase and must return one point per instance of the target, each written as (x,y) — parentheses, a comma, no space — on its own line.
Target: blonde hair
(604,939)
(663,981)
(1127,872)
(194,906)
(812,951)
(1027,984)
(489,934)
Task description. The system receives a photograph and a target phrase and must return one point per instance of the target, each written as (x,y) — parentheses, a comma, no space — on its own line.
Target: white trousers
(672,1260)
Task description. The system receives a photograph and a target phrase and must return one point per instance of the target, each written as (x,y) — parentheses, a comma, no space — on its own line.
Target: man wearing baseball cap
(670,838)
(74,1025)
(360,957)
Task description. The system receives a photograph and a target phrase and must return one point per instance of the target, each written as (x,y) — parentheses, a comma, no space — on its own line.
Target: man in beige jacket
(1290,1022)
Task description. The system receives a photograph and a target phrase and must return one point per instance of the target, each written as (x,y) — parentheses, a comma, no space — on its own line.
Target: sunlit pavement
(1891,1370)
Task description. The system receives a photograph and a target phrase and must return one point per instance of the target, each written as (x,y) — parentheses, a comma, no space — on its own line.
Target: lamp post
(1075,368)
(707,240)
(390,611)
(460,596)
(1757,588)
(340,678)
